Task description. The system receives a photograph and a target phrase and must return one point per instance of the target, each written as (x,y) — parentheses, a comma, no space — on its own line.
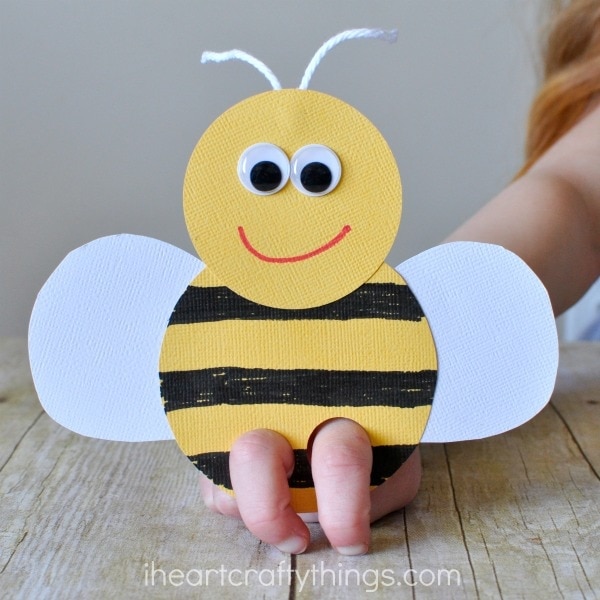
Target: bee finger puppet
(292,198)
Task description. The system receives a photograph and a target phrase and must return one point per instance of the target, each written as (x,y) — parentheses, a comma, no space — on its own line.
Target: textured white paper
(96,331)
(495,337)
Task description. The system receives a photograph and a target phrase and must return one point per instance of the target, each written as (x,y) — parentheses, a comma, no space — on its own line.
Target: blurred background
(102,102)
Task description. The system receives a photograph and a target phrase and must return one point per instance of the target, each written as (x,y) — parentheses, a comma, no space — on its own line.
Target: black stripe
(215,465)
(386,461)
(301,475)
(236,386)
(370,301)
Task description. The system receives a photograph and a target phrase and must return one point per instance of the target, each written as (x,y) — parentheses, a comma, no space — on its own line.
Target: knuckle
(342,444)
(252,445)
(343,457)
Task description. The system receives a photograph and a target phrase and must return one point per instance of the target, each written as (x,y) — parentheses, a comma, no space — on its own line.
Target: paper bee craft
(292,198)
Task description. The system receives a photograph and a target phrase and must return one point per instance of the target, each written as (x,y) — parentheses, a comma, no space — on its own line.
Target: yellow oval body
(229,365)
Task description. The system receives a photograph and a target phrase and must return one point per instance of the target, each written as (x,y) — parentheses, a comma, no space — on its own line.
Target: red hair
(571,76)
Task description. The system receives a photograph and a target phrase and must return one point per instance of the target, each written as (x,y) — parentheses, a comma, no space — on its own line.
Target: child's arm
(550,217)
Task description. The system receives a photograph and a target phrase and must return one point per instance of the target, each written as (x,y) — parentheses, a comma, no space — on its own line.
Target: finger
(260,463)
(207,491)
(341,463)
(399,489)
(217,500)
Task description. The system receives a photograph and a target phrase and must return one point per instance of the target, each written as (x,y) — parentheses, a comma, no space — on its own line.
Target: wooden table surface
(514,516)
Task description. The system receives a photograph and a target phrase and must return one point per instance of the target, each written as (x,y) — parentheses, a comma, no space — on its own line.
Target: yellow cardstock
(288,223)
(295,320)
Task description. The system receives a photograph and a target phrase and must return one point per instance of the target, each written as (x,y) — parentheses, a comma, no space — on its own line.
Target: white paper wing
(495,337)
(96,332)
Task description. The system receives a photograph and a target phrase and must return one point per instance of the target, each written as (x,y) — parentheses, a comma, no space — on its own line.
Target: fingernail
(353,550)
(293,545)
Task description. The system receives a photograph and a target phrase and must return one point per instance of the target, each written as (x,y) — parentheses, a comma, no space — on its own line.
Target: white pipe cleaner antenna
(351,34)
(243,56)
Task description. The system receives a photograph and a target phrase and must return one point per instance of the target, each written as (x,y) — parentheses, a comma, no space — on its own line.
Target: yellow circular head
(292,198)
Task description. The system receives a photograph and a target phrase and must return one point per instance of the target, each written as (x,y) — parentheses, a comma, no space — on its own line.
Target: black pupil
(315,177)
(265,176)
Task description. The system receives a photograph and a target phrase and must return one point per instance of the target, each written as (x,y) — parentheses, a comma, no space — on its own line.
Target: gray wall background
(102,101)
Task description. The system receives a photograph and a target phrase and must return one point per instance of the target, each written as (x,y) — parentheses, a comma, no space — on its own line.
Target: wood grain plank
(577,397)
(439,553)
(529,509)
(19,408)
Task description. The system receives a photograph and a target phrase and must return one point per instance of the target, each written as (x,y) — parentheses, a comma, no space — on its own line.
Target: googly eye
(263,169)
(316,170)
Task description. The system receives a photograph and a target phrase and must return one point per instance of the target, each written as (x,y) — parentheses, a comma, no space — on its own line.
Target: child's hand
(261,462)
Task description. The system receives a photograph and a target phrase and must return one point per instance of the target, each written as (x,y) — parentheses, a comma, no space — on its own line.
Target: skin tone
(550,217)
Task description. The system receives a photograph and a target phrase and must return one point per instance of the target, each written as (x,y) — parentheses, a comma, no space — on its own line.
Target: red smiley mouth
(288,259)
